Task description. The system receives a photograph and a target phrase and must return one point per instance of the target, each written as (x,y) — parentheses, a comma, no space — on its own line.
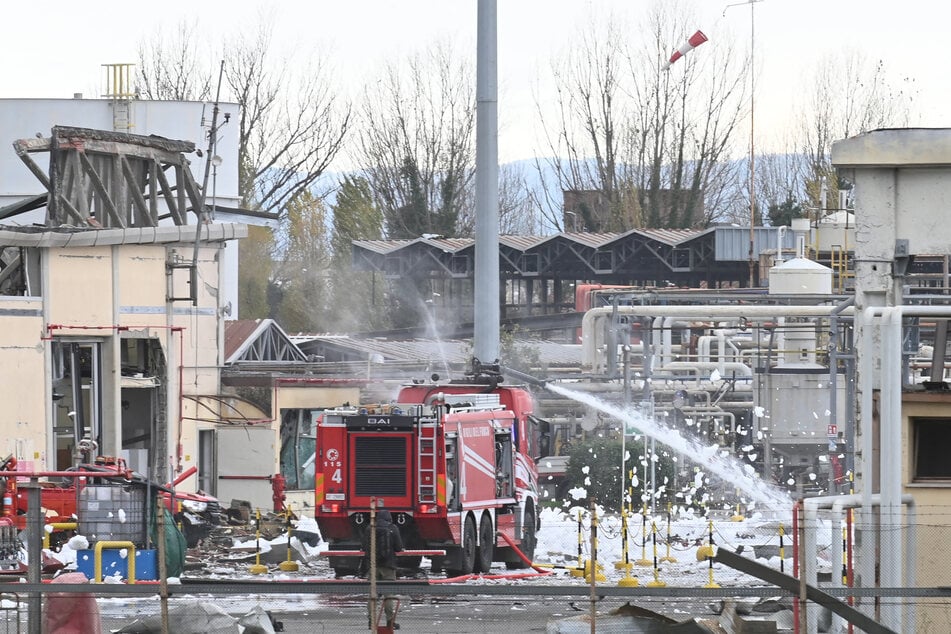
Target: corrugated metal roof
(237,331)
(453,352)
(451,245)
(593,240)
(522,242)
(525,243)
(382,247)
(261,340)
(672,236)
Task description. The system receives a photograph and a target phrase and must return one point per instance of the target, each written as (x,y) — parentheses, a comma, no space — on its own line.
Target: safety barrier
(114,545)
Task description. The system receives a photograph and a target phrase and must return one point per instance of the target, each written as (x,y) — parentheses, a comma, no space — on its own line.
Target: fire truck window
(298,446)
(452,473)
(504,465)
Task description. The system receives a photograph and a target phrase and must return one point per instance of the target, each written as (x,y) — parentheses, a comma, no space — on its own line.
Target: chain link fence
(647,567)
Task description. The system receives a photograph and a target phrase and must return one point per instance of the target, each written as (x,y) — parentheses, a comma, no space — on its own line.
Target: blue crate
(146,564)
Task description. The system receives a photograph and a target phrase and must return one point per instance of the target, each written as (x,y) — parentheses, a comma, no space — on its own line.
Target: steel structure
(99,178)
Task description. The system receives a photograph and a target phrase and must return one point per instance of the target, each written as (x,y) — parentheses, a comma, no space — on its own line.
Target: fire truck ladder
(426,450)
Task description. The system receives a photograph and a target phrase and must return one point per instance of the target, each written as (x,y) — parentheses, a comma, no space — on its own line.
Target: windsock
(695,40)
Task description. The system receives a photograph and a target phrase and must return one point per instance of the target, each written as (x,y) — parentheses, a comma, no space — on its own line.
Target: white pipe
(811,507)
(703,348)
(590,337)
(721,351)
(843,502)
(667,341)
(890,475)
(656,342)
(865,383)
(890,441)
(722,367)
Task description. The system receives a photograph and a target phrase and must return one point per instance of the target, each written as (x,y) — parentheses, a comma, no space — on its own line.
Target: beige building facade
(98,345)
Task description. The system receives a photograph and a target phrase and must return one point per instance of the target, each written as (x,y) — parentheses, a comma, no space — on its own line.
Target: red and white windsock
(695,40)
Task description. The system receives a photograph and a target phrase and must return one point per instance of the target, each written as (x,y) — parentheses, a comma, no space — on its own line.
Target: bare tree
(518,213)
(585,140)
(686,119)
(292,125)
(416,144)
(170,67)
(653,143)
(849,96)
(292,122)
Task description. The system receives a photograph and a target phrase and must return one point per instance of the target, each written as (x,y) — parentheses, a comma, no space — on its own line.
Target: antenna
(200,213)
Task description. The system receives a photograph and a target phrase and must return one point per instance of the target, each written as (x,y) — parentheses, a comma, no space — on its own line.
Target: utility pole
(487,303)
(752,4)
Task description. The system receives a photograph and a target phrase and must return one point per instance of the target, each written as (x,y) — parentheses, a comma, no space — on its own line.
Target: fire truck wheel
(468,554)
(486,544)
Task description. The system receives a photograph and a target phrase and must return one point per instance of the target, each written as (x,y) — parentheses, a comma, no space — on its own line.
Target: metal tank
(113,513)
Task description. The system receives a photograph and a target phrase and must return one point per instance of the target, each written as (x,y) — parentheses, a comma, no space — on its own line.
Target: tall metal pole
(752,129)
(487,308)
(752,146)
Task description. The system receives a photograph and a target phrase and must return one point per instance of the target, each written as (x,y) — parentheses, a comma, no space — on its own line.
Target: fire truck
(455,464)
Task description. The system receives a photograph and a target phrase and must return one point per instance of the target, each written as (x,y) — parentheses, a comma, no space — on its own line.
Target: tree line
(643,146)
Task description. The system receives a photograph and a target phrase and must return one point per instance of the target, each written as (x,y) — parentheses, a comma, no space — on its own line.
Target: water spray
(726,466)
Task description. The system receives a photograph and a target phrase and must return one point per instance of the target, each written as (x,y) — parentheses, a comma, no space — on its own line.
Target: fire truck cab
(453,462)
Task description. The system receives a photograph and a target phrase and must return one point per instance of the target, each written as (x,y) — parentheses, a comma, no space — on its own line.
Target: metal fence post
(34,532)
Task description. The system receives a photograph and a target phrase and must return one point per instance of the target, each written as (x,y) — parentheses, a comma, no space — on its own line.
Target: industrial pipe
(836,503)
(890,430)
(591,340)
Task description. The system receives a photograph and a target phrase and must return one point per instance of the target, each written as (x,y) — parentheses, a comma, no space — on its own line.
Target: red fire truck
(453,462)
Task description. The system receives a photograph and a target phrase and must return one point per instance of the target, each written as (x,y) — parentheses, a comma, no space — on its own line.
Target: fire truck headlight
(194,506)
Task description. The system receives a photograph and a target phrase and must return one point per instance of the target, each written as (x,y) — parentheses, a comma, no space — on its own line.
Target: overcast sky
(55,48)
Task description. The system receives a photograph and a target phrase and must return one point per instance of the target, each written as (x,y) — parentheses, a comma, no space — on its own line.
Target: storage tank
(836,231)
(112,513)
(800,276)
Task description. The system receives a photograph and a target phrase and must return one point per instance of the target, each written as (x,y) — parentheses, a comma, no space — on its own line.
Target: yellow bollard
(643,561)
(845,557)
(593,569)
(782,549)
(579,570)
(257,568)
(656,583)
(737,516)
(627,581)
(707,552)
(289,565)
(625,563)
(668,558)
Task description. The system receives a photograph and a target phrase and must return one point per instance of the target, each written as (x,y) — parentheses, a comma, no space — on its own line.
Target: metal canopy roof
(682,255)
